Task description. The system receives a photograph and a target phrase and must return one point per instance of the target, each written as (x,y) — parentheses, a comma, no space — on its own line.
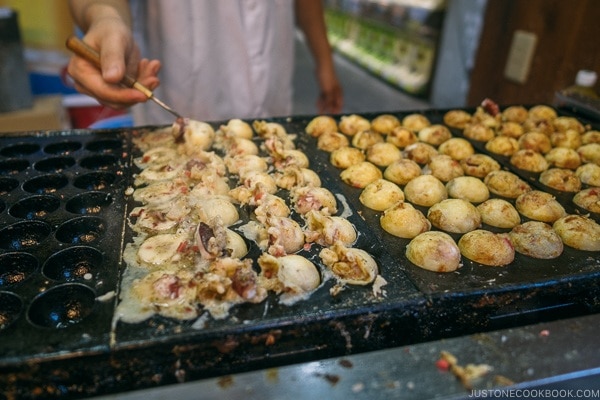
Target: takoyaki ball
(352,124)
(434,251)
(506,184)
(529,160)
(503,145)
(563,124)
(381,195)
(487,117)
(421,153)
(457,118)
(361,174)
(403,220)
(539,206)
(536,141)
(444,167)
(479,165)
(588,199)
(487,248)
(401,137)
(579,232)
(590,137)
(402,171)
(385,123)
(349,265)
(344,157)
(589,174)
(478,131)
(306,198)
(454,216)
(589,153)
(238,128)
(561,179)
(434,134)
(511,129)
(330,141)
(363,140)
(516,114)
(542,113)
(563,157)
(468,188)
(320,125)
(383,154)
(536,239)
(499,213)
(425,190)
(569,138)
(457,148)
(415,122)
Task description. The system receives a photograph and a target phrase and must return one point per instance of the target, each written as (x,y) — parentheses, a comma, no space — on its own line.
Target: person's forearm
(310,19)
(86,12)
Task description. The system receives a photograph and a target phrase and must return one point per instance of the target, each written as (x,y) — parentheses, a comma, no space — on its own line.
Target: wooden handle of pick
(83,50)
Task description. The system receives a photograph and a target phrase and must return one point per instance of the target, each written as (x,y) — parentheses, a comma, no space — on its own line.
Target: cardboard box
(47,113)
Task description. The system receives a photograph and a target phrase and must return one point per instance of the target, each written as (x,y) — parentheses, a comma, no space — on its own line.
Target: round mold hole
(34,207)
(62,147)
(45,184)
(13,166)
(8,185)
(81,230)
(104,145)
(54,164)
(20,149)
(95,181)
(16,268)
(24,234)
(89,203)
(79,263)
(62,306)
(99,162)
(10,309)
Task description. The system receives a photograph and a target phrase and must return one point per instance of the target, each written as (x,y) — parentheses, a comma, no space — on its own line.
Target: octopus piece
(434,134)
(365,139)
(415,122)
(381,195)
(344,157)
(349,265)
(403,220)
(536,141)
(285,236)
(506,184)
(330,141)
(511,129)
(499,213)
(401,137)
(487,248)
(488,113)
(434,251)
(444,167)
(295,176)
(502,145)
(479,165)
(402,171)
(216,241)
(320,125)
(588,199)
(361,174)
(243,164)
(457,148)
(589,153)
(579,232)
(590,137)
(326,230)
(421,153)
(589,174)
(383,154)
(457,118)
(468,188)
(561,179)
(478,131)
(563,157)
(517,114)
(529,160)
(536,239)
(385,123)
(569,138)
(164,218)
(306,198)
(539,206)
(293,275)
(454,216)
(350,125)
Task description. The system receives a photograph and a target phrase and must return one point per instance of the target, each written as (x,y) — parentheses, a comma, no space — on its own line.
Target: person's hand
(119,55)
(331,99)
